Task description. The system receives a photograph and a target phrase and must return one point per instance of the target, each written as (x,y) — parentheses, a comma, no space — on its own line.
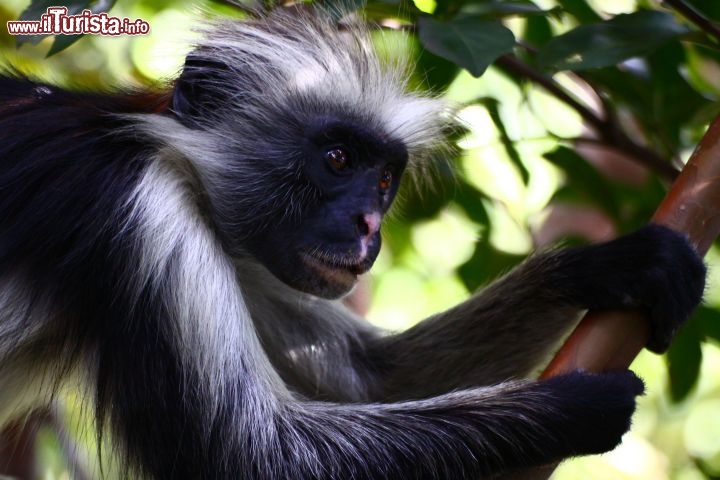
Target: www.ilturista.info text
(57,22)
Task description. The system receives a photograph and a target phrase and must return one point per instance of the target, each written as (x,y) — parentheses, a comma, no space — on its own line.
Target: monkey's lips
(336,269)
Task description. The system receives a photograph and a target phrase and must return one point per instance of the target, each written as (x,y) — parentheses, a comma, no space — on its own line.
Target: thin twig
(514,65)
(689,12)
(608,130)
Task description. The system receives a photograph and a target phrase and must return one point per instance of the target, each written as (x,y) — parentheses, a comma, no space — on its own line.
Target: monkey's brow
(369,141)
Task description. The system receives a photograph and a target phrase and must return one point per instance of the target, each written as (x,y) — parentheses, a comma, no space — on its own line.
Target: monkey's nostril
(362,227)
(368,224)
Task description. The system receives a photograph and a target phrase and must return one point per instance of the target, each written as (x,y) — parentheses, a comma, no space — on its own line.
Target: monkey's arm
(508,329)
(502,332)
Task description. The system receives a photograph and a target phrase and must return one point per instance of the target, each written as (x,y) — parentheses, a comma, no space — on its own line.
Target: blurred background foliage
(576,115)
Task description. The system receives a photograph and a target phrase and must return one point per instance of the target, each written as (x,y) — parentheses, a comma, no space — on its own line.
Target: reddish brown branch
(611,340)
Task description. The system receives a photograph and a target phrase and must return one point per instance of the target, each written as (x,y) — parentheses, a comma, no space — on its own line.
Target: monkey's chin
(331,280)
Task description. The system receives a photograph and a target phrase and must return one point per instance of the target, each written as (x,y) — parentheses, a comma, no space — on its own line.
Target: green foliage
(607,43)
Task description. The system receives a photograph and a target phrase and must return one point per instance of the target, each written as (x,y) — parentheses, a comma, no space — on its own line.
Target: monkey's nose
(368,224)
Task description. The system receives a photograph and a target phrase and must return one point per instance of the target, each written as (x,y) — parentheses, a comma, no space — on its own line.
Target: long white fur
(210,320)
(308,55)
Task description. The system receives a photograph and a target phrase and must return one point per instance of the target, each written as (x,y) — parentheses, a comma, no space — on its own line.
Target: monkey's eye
(386,179)
(338,158)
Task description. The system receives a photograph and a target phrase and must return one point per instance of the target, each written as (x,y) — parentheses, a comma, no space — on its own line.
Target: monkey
(185,253)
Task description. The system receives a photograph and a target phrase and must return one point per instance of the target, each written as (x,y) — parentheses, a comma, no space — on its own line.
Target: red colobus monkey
(183,252)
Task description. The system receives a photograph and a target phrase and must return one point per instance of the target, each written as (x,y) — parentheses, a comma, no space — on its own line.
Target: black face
(355,173)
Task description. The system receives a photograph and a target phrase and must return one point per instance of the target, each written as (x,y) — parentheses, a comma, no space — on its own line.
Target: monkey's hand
(595,408)
(653,268)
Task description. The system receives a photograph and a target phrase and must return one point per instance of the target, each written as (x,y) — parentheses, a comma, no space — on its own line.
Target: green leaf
(610,42)
(537,31)
(657,94)
(470,42)
(684,360)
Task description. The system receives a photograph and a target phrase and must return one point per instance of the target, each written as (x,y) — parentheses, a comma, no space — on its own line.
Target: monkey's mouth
(336,268)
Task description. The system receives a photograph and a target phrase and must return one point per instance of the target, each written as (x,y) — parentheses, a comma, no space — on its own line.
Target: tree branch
(608,130)
(608,340)
(689,12)
(513,65)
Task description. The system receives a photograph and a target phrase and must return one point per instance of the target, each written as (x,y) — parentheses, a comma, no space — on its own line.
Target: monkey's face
(334,236)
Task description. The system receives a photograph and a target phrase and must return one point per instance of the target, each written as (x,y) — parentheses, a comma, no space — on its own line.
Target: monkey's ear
(198,91)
